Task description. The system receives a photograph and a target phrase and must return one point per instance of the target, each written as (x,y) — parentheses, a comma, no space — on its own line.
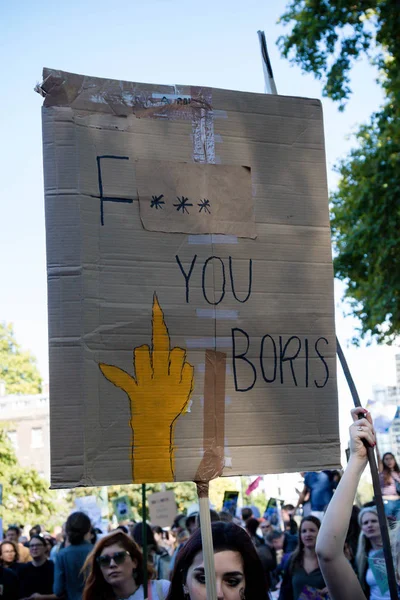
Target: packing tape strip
(212,463)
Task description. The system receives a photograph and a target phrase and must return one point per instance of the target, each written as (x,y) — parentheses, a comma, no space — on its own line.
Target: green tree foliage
(326,38)
(17,368)
(26,495)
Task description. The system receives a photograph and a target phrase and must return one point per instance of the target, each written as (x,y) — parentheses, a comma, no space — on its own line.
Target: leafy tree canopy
(18,368)
(26,495)
(326,38)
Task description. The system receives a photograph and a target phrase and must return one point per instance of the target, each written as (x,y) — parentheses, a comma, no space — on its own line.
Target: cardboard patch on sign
(195,198)
(144,322)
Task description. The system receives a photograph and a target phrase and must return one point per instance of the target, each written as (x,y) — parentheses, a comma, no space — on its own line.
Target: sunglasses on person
(118,557)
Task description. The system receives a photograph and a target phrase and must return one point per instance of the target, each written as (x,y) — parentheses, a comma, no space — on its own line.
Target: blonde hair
(395,544)
(363,548)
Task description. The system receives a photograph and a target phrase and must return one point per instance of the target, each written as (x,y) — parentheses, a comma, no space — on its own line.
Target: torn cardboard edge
(123,98)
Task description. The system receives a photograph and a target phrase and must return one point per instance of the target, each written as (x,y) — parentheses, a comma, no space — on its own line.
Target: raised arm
(339,576)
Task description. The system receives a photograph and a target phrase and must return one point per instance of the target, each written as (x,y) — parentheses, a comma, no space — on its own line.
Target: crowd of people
(334,552)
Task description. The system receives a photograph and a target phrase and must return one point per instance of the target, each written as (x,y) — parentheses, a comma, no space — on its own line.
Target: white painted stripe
(216,313)
(220,114)
(201,367)
(209,342)
(215,238)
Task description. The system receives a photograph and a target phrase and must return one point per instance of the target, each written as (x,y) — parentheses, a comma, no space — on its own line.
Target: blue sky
(160,41)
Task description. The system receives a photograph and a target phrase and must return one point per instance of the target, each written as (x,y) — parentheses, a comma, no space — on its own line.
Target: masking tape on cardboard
(212,238)
(212,463)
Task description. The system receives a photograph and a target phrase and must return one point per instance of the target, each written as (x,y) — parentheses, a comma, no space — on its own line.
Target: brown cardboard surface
(134,312)
(207,198)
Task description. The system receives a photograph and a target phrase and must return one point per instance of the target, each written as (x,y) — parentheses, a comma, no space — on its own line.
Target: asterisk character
(182,205)
(156,202)
(204,204)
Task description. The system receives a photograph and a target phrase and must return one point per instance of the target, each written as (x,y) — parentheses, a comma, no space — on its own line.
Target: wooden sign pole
(206,540)
(144,541)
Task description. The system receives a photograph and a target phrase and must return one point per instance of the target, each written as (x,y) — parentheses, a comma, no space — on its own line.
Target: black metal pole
(144,541)
(377,488)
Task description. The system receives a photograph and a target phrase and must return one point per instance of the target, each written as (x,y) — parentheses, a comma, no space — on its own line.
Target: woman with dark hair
(238,571)
(9,556)
(302,573)
(50,543)
(266,554)
(68,578)
(115,570)
(159,557)
(390,485)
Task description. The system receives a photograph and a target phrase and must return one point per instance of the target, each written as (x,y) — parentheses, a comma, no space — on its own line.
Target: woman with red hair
(115,569)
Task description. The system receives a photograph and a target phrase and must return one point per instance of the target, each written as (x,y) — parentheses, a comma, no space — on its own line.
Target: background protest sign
(162,508)
(122,508)
(230,502)
(90,506)
(177,354)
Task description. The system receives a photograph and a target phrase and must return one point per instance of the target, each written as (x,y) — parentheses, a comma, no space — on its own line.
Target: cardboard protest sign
(230,502)
(162,508)
(190,284)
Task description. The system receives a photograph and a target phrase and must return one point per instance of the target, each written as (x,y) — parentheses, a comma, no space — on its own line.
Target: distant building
(28,423)
(385,409)
(394,433)
(398,370)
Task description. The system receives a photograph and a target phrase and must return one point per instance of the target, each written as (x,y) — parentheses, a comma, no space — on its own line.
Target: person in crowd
(178,528)
(282,541)
(225,516)
(115,570)
(301,571)
(369,545)
(251,527)
(247,514)
(124,529)
(266,554)
(50,543)
(59,545)
(95,534)
(214,517)
(12,535)
(389,479)
(8,584)
(163,539)
(68,576)
(320,486)
(238,570)
(9,556)
(191,522)
(158,556)
(35,530)
(341,579)
(266,528)
(290,525)
(37,577)
(181,534)
(352,536)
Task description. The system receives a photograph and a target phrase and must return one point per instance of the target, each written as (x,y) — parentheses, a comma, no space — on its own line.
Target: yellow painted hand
(159,393)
